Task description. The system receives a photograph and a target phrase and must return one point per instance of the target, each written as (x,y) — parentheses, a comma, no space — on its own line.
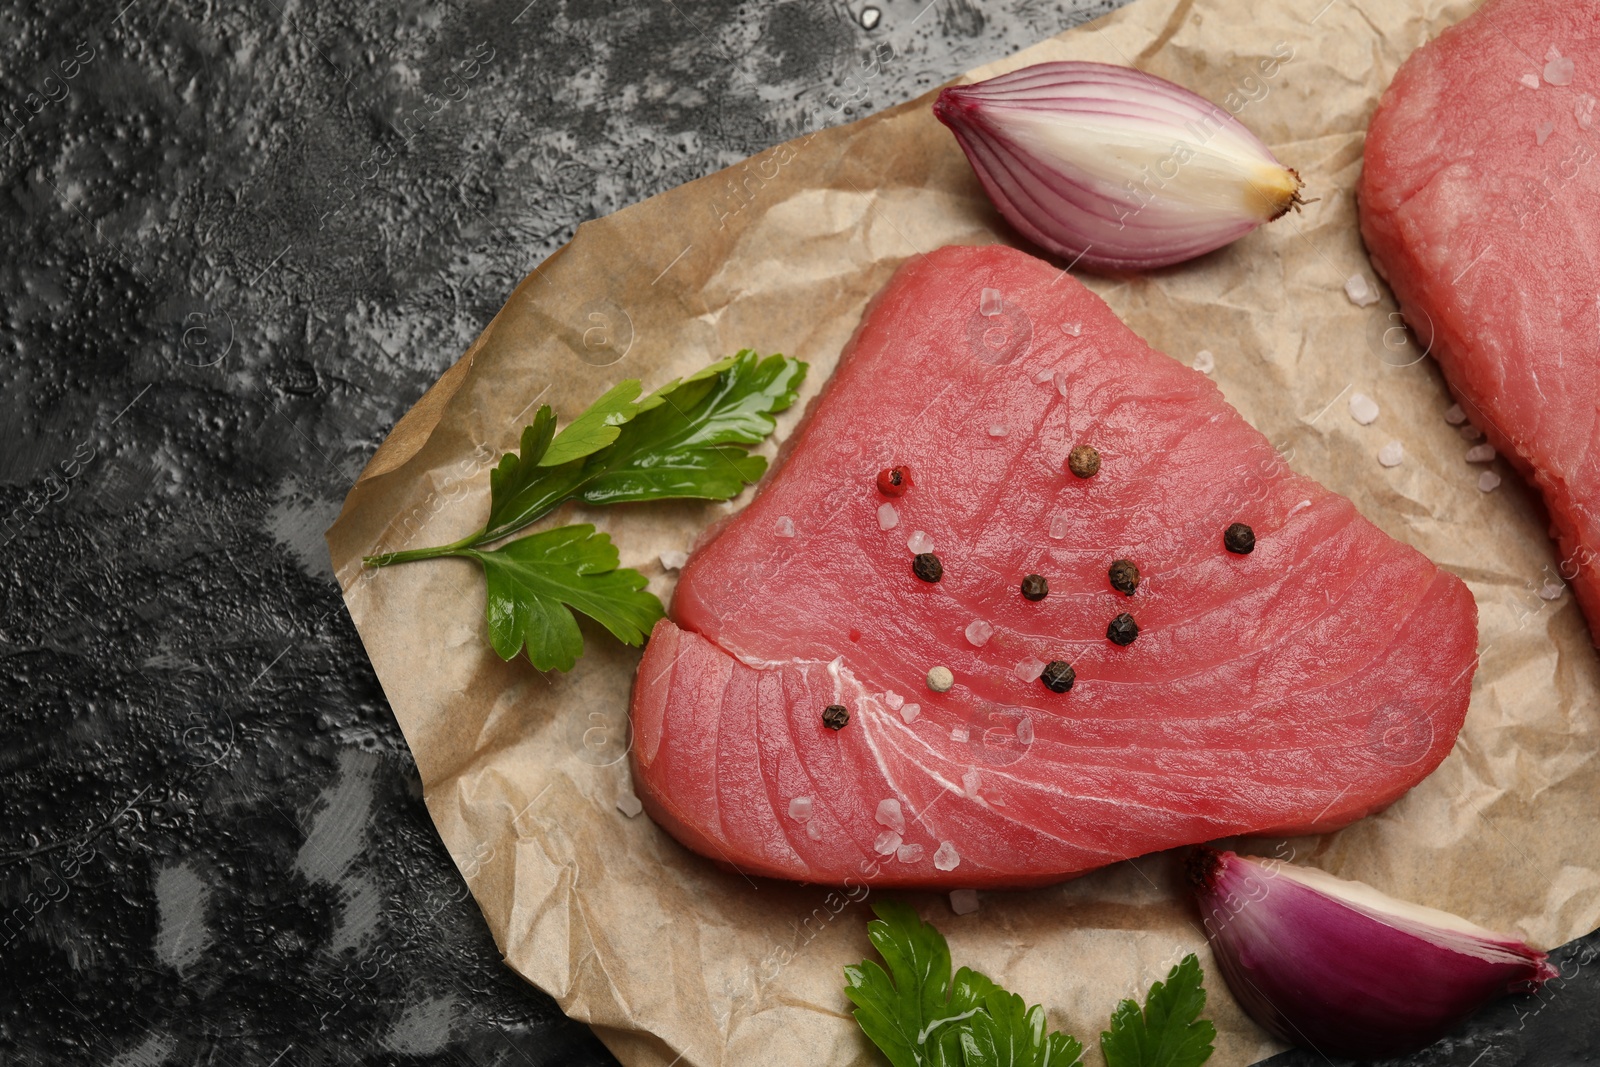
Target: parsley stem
(411,555)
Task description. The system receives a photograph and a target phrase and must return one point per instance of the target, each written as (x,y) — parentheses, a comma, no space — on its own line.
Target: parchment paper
(676,962)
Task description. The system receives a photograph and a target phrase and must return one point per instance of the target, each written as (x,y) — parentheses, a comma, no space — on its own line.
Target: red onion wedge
(1112,168)
(1341,968)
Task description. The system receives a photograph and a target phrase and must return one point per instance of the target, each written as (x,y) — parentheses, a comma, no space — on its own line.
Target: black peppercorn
(1058,676)
(927,567)
(1084,461)
(1240,539)
(1124,576)
(1122,630)
(834,716)
(1034,587)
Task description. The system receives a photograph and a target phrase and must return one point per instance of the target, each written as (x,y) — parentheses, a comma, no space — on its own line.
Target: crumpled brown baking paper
(675,961)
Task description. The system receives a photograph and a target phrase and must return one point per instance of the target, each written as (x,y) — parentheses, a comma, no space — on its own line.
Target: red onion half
(1341,968)
(1113,168)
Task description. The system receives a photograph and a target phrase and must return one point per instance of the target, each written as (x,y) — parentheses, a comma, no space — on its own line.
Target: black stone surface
(240,239)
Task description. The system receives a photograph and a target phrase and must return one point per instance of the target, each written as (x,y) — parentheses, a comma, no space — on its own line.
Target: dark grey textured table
(241,238)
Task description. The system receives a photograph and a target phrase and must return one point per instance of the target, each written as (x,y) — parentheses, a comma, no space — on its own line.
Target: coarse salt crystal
(1480,453)
(989,302)
(1471,432)
(1531,80)
(1454,415)
(1029,670)
(1392,454)
(1044,375)
(908,853)
(1025,732)
(970,782)
(979,632)
(1551,590)
(785,526)
(1061,382)
(893,700)
(1204,361)
(1299,508)
(919,543)
(1559,71)
(800,808)
(945,857)
(1583,110)
(1552,53)
(1543,131)
(998,429)
(629,804)
(963,901)
(960,734)
(673,560)
(1058,527)
(890,815)
(1360,291)
(1363,409)
(1488,482)
(1072,329)
(888,517)
(887,843)
(813,831)
(910,712)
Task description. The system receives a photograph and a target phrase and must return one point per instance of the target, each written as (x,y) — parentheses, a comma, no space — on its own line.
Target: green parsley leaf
(686,439)
(906,1011)
(514,471)
(598,426)
(693,444)
(921,1016)
(1166,1033)
(535,583)
(689,438)
(1008,1033)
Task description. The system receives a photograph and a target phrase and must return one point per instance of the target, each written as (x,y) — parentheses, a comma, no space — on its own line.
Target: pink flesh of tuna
(1293,689)
(1489,239)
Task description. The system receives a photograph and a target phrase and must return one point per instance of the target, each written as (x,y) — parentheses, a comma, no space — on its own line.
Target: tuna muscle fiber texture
(1482,172)
(1294,689)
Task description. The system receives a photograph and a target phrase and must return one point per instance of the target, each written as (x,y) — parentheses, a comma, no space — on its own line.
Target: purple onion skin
(1318,973)
(952,108)
(1035,201)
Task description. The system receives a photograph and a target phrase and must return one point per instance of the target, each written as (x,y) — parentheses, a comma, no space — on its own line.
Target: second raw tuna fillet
(1478,204)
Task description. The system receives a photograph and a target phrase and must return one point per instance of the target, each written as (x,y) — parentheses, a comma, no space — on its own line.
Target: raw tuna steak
(1478,199)
(1294,688)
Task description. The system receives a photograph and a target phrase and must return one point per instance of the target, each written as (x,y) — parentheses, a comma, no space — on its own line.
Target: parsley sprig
(1169,1031)
(920,1015)
(688,439)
